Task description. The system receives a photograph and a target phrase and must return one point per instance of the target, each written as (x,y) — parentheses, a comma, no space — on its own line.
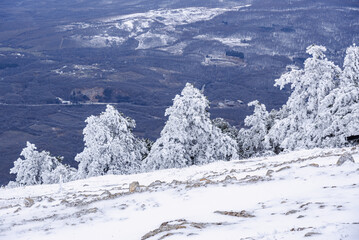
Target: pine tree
(189,136)
(226,128)
(110,146)
(299,127)
(341,109)
(38,167)
(251,141)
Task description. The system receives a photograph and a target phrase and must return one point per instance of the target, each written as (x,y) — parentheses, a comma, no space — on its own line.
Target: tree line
(322,111)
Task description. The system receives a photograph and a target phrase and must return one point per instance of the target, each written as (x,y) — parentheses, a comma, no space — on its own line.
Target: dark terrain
(47,52)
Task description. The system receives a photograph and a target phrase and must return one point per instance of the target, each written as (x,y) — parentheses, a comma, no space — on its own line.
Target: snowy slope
(297,195)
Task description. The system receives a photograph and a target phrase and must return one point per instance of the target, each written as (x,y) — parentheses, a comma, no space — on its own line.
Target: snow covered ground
(296,195)
(152,29)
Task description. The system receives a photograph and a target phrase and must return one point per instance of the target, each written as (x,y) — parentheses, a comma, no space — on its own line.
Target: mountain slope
(289,196)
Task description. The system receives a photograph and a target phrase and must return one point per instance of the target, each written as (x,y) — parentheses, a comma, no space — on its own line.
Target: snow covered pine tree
(341,106)
(110,146)
(189,136)
(39,168)
(299,126)
(251,141)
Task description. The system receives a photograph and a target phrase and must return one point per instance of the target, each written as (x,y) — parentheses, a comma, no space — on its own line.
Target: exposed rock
(291,212)
(242,213)
(305,205)
(230,178)
(176,182)
(269,173)
(176,225)
(195,185)
(205,180)
(28,202)
(283,168)
(344,158)
(156,183)
(85,212)
(17,210)
(106,194)
(309,234)
(314,165)
(298,229)
(253,179)
(134,187)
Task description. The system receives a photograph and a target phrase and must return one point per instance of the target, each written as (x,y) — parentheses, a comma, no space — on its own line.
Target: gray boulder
(344,158)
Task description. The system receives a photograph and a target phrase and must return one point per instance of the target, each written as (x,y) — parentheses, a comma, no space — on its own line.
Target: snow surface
(296,195)
(231,41)
(155,28)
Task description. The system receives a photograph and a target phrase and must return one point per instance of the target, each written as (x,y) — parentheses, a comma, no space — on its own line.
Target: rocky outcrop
(346,157)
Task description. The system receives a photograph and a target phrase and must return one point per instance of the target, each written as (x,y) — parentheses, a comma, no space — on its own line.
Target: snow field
(306,195)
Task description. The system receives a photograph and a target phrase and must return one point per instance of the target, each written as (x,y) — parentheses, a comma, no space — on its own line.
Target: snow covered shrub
(189,136)
(110,146)
(39,168)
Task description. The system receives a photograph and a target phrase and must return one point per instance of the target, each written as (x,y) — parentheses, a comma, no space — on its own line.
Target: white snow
(176,49)
(174,17)
(152,40)
(304,194)
(159,24)
(231,41)
(99,41)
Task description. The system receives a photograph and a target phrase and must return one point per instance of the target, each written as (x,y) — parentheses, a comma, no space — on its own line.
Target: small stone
(314,165)
(344,158)
(291,212)
(283,168)
(106,194)
(17,210)
(176,182)
(155,183)
(92,210)
(309,234)
(28,202)
(242,213)
(205,180)
(230,178)
(134,187)
(269,173)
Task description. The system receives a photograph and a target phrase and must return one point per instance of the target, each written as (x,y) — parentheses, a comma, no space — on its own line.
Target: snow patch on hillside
(172,17)
(289,196)
(152,40)
(158,27)
(232,41)
(99,41)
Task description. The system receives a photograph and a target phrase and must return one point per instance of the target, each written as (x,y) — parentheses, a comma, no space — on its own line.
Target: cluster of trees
(322,111)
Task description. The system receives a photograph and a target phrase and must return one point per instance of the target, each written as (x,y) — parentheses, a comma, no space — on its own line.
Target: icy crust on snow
(155,28)
(291,196)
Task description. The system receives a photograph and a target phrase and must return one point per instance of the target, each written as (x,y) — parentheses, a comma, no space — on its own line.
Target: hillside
(139,54)
(289,196)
